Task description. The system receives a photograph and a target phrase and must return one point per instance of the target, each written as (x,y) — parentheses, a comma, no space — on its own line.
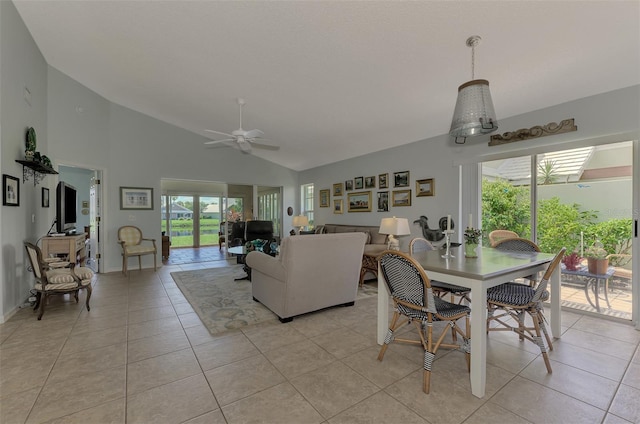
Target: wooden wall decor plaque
(551,128)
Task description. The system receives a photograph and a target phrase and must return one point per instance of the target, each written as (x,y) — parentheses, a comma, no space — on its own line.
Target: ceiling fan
(243,139)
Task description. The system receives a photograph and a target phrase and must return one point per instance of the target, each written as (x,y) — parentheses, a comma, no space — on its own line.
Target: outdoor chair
(414,303)
(132,243)
(518,244)
(54,276)
(496,235)
(621,274)
(441,288)
(515,301)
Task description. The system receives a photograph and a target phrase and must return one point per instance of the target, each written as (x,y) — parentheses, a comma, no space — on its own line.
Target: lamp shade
(474,113)
(300,221)
(395,226)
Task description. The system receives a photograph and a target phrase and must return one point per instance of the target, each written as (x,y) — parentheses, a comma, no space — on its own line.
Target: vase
(597,266)
(470,250)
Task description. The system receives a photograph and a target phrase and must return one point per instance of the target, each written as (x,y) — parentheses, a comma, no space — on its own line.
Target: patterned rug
(224,304)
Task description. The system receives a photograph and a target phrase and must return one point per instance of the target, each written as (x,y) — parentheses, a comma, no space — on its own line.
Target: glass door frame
(470,195)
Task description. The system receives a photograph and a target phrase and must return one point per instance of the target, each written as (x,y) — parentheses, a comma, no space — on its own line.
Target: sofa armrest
(266,264)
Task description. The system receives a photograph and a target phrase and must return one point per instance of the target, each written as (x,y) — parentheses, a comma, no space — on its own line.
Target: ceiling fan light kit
(474,113)
(243,139)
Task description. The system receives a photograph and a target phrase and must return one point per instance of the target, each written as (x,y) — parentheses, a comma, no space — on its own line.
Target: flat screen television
(66,208)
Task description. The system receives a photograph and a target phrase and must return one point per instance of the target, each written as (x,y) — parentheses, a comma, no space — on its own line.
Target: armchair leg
(42,303)
(88,296)
(140,262)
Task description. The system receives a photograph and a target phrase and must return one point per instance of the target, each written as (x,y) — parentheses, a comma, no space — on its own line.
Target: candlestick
(470,224)
(447,253)
(448,222)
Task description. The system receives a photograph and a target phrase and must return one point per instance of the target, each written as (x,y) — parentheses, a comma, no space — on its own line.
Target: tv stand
(72,246)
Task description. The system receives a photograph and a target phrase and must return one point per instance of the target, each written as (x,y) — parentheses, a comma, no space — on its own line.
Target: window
(307,202)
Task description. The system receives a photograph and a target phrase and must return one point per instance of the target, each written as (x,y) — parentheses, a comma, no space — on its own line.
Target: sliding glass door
(582,198)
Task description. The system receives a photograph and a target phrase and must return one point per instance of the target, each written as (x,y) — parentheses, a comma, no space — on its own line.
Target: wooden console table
(72,246)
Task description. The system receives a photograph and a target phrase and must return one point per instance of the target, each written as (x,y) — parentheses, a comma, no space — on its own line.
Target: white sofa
(311,272)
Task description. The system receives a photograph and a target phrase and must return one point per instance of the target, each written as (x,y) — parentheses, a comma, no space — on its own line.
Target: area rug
(224,304)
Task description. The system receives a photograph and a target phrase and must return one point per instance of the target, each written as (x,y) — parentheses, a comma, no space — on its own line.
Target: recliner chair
(258,230)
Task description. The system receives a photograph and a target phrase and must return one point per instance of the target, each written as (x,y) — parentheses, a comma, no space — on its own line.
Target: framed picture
(348,185)
(337,189)
(401,198)
(136,198)
(401,179)
(359,183)
(425,187)
(360,202)
(370,182)
(383,201)
(11,190)
(324,198)
(337,206)
(45,197)
(383,181)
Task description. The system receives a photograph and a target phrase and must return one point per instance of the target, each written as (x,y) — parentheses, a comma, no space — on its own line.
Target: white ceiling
(331,80)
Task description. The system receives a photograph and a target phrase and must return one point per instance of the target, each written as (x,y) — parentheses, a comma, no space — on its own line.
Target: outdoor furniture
(132,243)
(515,301)
(496,235)
(221,235)
(591,283)
(414,303)
(625,275)
(420,244)
(491,268)
(56,277)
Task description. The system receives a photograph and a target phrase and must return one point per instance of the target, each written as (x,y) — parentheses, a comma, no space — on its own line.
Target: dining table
(491,268)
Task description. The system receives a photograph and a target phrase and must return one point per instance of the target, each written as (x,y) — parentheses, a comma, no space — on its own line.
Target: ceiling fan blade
(219,132)
(219,141)
(253,134)
(263,142)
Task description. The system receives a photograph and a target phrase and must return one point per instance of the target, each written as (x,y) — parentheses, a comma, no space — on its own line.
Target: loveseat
(311,273)
(376,243)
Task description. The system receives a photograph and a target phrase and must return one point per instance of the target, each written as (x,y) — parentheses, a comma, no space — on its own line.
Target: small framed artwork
(370,182)
(337,189)
(11,190)
(401,198)
(348,185)
(360,202)
(136,198)
(383,201)
(401,179)
(45,197)
(425,187)
(337,206)
(359,183)
(383,181)
(324,198)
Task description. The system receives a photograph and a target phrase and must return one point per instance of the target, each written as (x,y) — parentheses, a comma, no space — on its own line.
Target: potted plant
(597,261)
(572,261)
(471,241)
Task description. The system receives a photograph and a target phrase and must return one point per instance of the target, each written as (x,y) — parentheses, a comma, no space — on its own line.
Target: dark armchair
(259,230)
(236,237)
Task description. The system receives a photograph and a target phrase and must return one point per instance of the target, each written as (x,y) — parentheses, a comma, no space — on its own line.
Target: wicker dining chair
(441,288)
(414,301)
(518,300)
(518,244)
(497,235)
(53,277)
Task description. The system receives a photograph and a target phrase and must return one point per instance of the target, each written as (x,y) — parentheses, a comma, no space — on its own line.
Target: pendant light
(474,114)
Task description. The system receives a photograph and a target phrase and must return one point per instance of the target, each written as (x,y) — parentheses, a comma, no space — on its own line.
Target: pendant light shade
(474,113)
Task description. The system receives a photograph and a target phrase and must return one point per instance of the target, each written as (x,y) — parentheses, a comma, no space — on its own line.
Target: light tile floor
(142,356)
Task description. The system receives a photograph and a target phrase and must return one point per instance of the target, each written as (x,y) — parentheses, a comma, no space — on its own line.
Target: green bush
(505,207)
(559,225)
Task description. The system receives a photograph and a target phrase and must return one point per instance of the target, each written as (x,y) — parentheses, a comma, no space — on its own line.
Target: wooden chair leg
(42,303)
(155,258)
(88,287)
(140,262)
(540,343)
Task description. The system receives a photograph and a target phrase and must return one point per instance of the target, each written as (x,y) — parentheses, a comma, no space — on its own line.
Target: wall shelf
(35,170)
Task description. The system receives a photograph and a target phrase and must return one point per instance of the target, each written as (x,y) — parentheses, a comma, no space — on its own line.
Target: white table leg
(556,318)
(478,339)
(383,307)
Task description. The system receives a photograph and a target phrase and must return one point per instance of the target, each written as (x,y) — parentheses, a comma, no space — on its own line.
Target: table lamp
(300,221)
(394,227)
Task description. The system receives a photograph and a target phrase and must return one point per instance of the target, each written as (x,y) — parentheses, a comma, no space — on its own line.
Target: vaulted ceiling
(330,80)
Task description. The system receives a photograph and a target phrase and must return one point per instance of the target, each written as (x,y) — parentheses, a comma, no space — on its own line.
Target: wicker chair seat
(138,249)
(451,288)
(514,294)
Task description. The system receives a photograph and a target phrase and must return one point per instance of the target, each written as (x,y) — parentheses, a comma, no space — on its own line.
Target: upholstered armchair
(310,273)
(255,230)
(134,244)
(56,277)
